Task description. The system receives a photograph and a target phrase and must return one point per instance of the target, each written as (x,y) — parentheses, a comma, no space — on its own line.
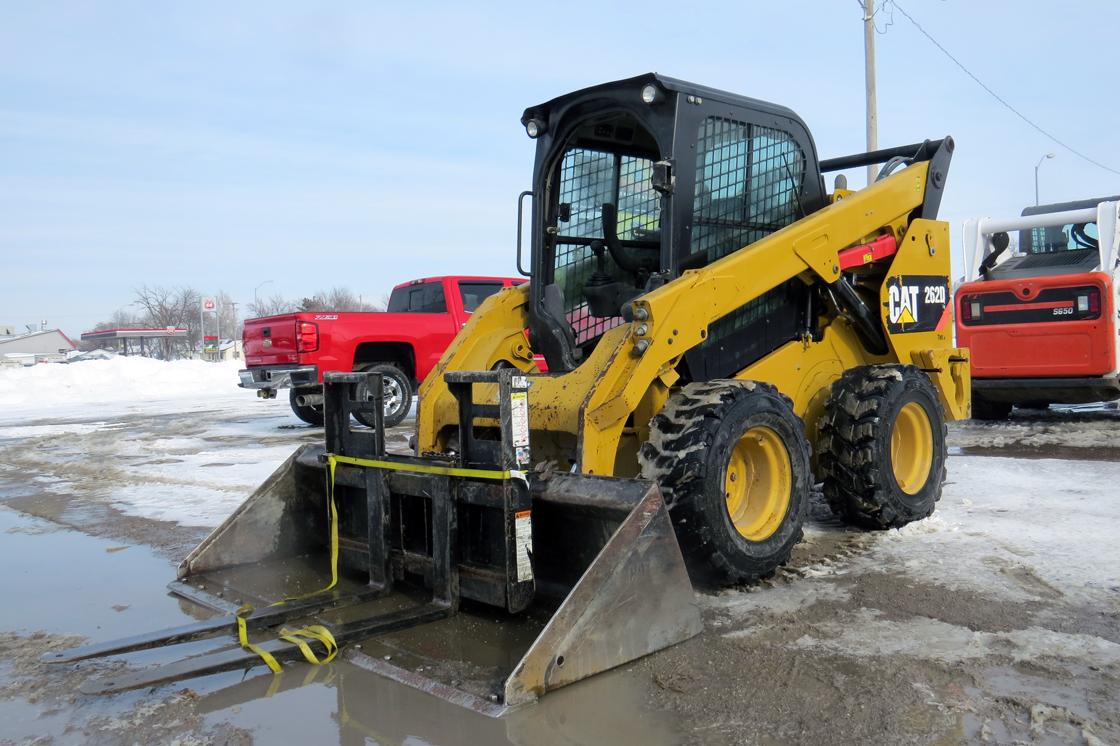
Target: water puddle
(62,582)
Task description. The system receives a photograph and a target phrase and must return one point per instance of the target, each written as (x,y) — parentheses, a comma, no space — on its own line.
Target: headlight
(651,94)
(534,128)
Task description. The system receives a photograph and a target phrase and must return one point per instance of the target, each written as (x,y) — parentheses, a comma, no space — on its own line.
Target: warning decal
(523,539)
(519,426)
(916,303)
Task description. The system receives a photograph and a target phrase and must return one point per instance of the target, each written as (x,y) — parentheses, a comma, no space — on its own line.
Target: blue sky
(220,145)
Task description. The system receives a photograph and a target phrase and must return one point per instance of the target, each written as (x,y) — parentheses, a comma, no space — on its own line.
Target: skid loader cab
(638,180)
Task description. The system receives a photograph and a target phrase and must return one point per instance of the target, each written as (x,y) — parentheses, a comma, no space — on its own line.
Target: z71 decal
(917,303)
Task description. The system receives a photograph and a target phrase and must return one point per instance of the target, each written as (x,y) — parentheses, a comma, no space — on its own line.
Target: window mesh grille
(747,181)
(589,178)
(639,204)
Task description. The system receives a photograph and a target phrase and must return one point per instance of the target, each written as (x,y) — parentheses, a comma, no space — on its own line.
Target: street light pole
(1040,160)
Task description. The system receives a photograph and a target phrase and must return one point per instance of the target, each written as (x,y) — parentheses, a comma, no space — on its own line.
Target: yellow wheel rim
(911,448)
(758,483)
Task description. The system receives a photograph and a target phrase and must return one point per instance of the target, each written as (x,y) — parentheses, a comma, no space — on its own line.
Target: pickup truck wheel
(398,394)
(312,415)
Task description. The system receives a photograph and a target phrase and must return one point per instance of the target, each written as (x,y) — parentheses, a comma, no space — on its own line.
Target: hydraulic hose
(863,318)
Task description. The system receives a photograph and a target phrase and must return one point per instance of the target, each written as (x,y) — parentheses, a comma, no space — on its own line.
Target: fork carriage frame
(599,553)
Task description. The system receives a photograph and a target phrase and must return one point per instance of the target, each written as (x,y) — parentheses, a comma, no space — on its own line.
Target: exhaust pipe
(310,400)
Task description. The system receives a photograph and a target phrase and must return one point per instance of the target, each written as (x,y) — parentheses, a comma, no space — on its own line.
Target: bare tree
(338,299)
(170,307)
(122,318)
(271,306)
(229,320)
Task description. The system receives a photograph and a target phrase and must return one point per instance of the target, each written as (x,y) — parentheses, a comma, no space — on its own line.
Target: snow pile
(123,383)
(1010,529)
(1038,527)
(1091,426)
(866,634)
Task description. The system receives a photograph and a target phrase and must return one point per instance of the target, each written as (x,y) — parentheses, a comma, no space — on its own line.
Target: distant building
(48,345)
(227,349)
(165,343)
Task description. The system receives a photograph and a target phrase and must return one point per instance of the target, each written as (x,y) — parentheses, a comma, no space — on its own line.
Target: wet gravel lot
(996,620)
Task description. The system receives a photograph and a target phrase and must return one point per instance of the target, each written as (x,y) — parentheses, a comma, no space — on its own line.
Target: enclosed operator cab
(1040,318)
(639,180)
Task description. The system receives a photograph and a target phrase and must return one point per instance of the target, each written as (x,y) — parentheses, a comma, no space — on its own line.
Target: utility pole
(869,79)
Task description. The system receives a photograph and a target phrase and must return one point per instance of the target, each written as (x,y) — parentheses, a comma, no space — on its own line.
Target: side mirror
(662,178)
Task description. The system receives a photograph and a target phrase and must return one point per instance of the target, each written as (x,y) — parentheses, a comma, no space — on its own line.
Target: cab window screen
(1055,238)
(589,178)
(425,298)
(748,179)
(475,292)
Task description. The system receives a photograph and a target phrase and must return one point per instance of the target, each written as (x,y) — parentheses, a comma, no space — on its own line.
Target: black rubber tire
(984,409)
(310,415)
(398,403)
(854,446)
(688,453)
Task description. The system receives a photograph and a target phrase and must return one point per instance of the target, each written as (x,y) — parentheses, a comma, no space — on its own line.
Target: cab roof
(669,84)
(1080,204)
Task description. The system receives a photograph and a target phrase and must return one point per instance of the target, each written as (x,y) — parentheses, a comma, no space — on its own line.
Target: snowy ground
(998,619)
(176,442)
(122,385)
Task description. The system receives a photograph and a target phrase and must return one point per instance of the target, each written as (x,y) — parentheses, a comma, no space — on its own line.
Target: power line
(876,9)
(995,95)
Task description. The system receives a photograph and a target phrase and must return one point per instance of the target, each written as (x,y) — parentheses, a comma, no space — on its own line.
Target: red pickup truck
(403,343)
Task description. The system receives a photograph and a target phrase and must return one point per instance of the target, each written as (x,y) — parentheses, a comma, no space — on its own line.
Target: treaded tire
(398,394)
(983,409)
(688,453)
(854,446)
(310,415)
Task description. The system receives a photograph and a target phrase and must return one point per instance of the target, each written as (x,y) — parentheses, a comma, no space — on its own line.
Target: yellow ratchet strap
(450,471)
(312,632)
(318,632)
(243,638)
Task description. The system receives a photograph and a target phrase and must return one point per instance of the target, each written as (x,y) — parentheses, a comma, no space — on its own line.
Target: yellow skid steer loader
(720,333)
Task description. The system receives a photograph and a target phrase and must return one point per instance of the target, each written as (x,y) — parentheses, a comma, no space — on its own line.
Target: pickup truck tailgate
(270,340)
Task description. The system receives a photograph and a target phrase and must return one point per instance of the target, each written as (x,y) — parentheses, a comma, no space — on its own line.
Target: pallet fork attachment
(346,536)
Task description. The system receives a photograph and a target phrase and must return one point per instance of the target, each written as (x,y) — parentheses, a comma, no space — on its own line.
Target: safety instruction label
(523,540)
(917,303)
(519,426)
